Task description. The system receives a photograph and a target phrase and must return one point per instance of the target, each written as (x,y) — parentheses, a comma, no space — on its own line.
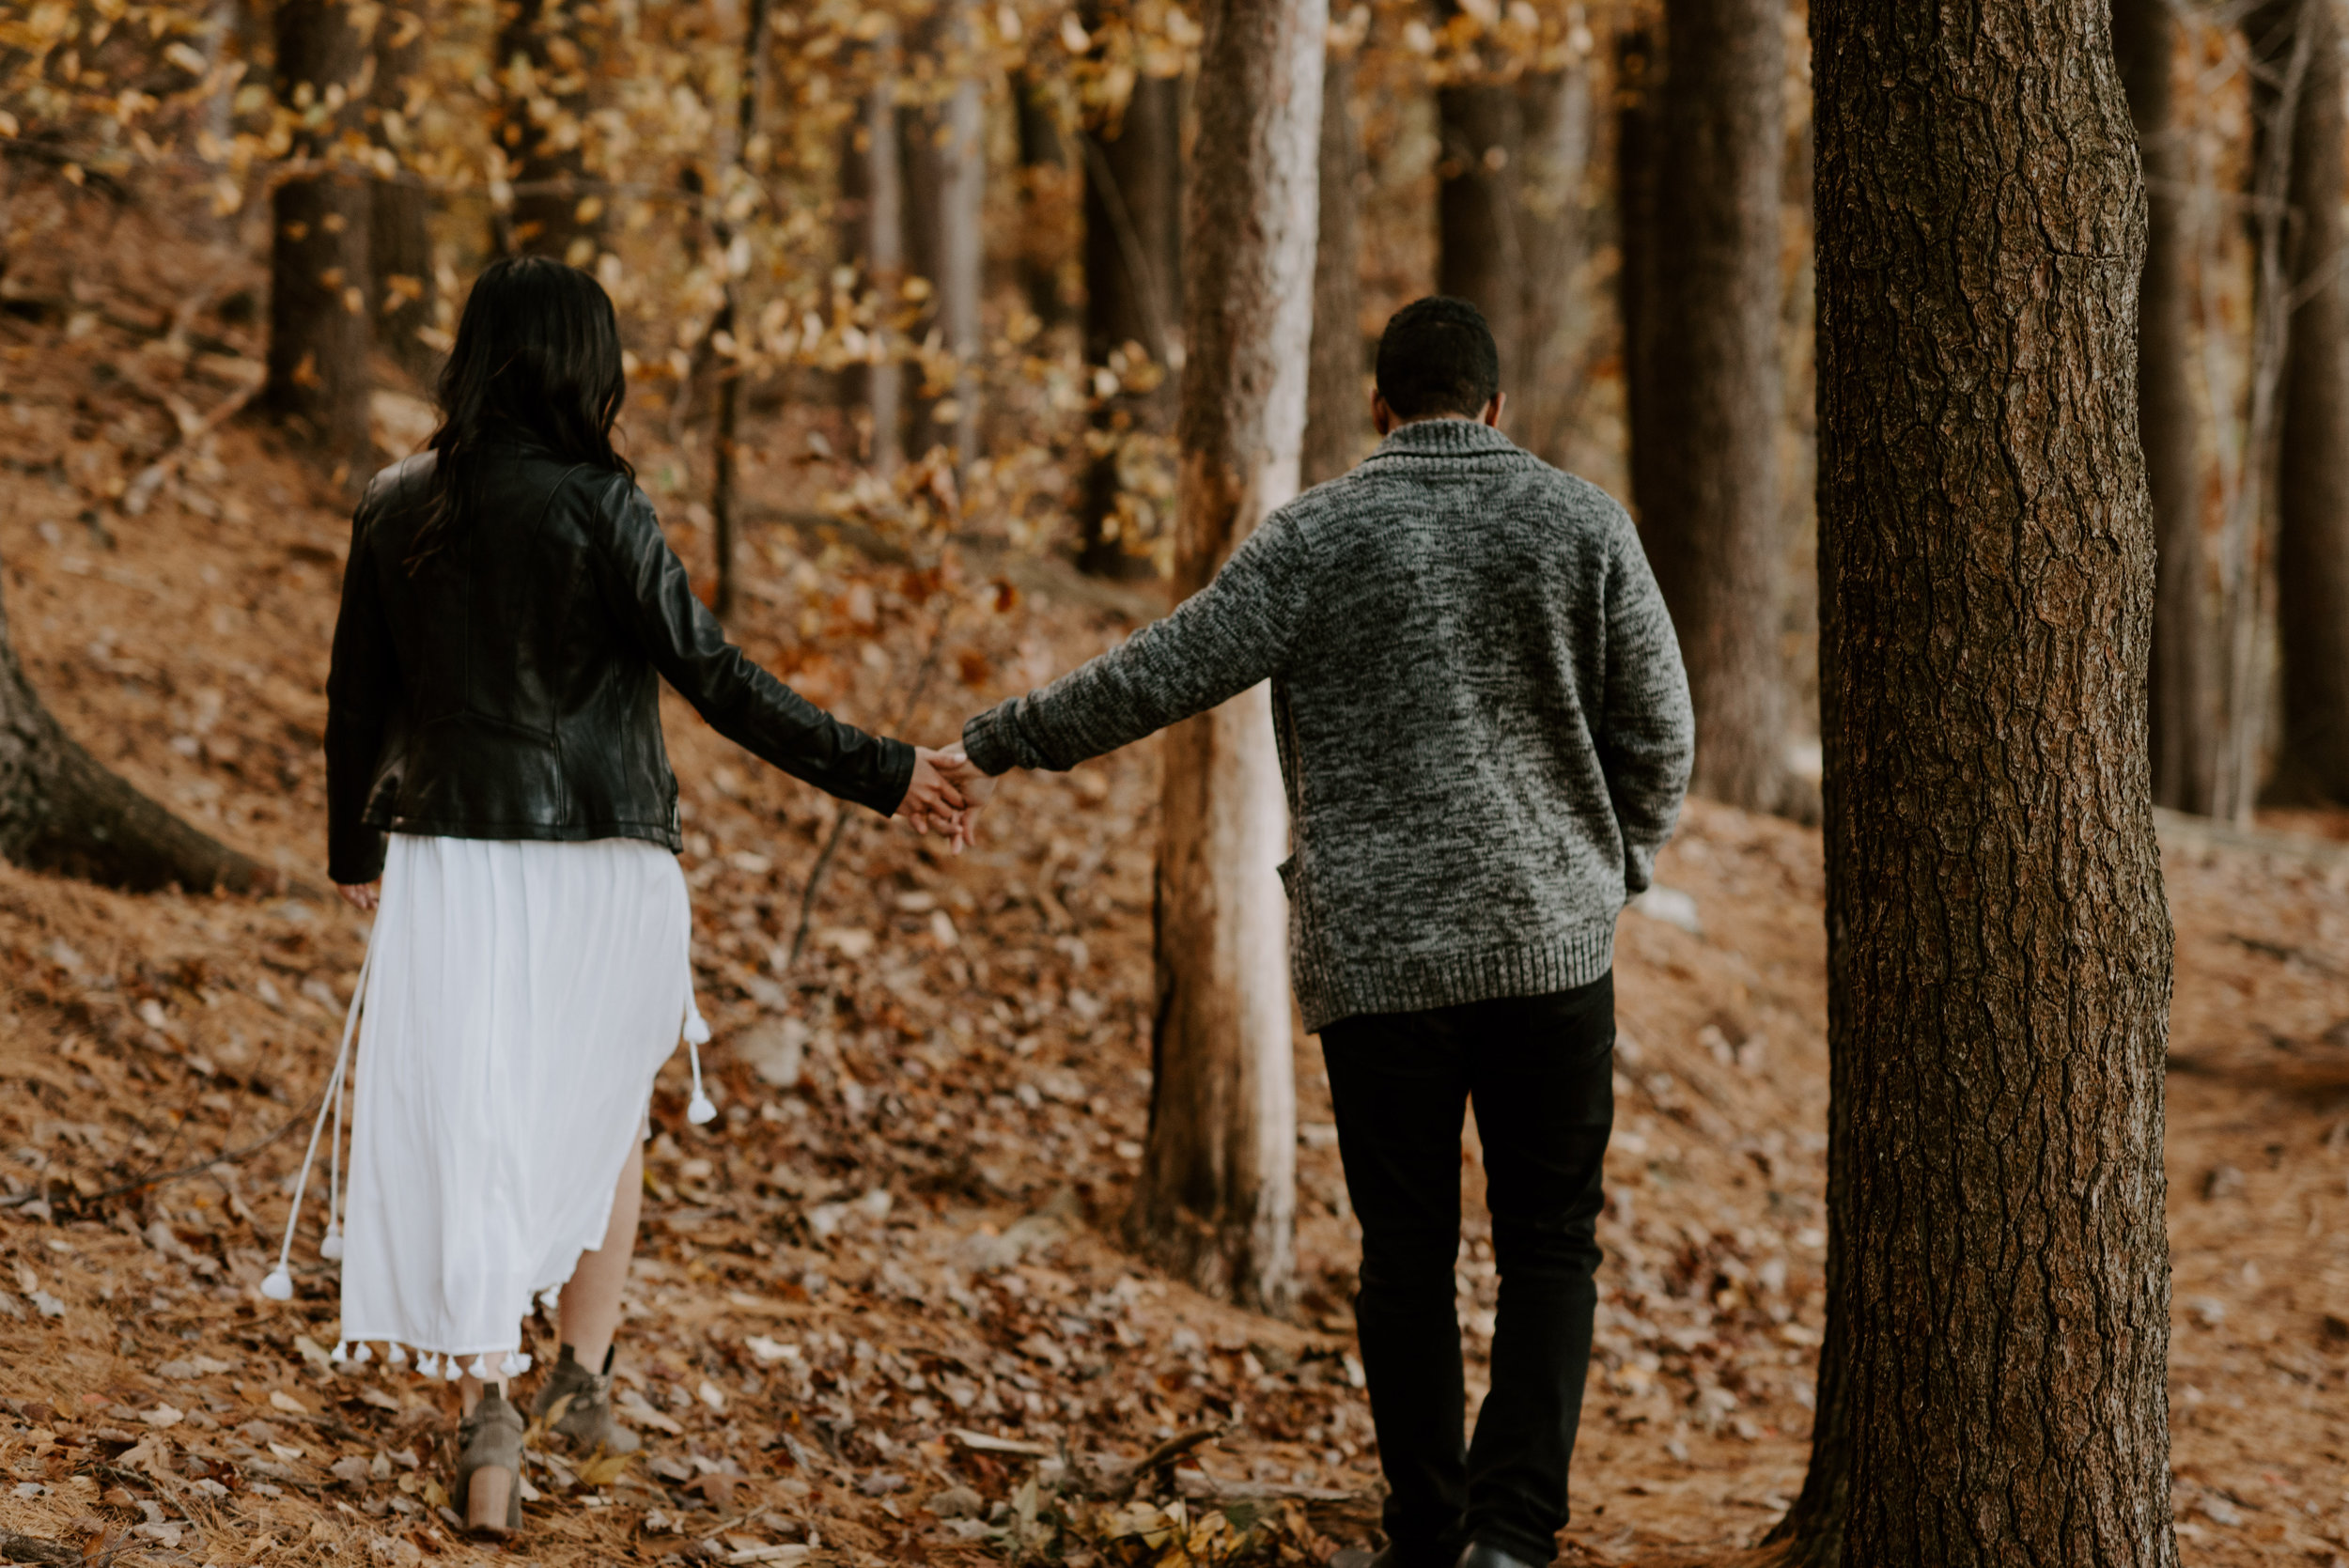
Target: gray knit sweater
(1481,716)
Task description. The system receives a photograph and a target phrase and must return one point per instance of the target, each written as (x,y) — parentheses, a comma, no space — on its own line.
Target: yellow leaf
(604,1470)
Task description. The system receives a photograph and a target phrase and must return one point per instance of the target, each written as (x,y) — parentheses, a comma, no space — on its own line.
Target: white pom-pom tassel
(551,1298)
(480,1367)
(427,1366)
(394,1356)
(701,1112)
(278,1286)
(363,1354)
(341,1356)
(451,1372)
(331,1244)
(516,1362)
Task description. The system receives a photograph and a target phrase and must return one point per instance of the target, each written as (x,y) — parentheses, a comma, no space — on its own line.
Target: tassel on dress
(702,1111)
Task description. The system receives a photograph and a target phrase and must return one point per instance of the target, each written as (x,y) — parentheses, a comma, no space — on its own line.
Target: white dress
(520,996)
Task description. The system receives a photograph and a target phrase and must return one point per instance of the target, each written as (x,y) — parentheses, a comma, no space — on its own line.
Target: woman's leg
(591,1300)
(469,1386)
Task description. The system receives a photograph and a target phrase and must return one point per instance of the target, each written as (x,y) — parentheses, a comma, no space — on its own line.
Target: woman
(496,779)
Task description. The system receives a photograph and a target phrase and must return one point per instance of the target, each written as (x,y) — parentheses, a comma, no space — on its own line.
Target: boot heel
(490,1499)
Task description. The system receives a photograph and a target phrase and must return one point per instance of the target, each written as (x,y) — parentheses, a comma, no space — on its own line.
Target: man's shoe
(1480,1555)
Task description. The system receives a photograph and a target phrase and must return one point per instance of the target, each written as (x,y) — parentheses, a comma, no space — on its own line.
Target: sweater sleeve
(1220,642)
(362,694)
(646,587)
(1647,735)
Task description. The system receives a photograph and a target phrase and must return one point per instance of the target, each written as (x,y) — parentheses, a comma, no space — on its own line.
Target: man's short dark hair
(1438,356)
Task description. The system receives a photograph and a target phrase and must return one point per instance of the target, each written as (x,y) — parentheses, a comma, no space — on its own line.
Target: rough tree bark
(872,242)
(1710,514)
(1480,255)
(543,66)
(60,811)
(1133,260)
(945,148)
(1999,945)
(2312,456)
(2143,41)
(1216,1199)
(1337,410)
(400,236)
(318,331)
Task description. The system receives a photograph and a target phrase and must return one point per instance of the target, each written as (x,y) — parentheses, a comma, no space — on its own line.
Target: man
(1487,736)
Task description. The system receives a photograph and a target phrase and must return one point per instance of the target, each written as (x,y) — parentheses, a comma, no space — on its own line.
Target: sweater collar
(1445,438)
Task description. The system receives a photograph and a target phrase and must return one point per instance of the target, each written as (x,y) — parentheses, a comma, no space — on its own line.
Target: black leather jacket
(510,688)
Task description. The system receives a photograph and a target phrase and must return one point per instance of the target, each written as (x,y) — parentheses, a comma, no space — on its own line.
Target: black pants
(1540,1072)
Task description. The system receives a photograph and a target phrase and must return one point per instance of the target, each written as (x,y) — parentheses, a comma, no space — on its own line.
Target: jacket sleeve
(644,586)
(1220,642)
(1647,738)
(362,694)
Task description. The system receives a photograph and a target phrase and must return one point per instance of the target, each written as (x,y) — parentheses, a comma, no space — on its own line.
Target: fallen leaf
(280,1400)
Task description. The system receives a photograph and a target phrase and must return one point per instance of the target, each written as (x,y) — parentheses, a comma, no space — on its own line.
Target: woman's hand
(362,896)
(932,799)
(974,786)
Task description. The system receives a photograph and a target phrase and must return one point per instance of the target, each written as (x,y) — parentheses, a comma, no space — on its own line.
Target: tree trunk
(723,328)
(1045,178)
(1999,945)
(1337,406)
(318,331)
(1554,114)
(543,68)
(1216,1202)
(1133,228)
(60,811)
(400,236)
(1639,93)
(2312,461)
(945,148)
(2143,41)
(1711,518)
(1479,256)
(872,234)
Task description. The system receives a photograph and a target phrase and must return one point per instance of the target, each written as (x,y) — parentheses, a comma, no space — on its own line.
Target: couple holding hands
(1485,732)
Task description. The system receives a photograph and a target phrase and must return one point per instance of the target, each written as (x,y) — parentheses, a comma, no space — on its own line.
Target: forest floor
(880,1313)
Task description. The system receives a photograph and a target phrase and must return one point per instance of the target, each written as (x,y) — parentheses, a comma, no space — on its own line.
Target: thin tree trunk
(1554,113)
(400,238)
(945,148)
(2143,40)
(1044,178)
(2313,458)
(318,331)
(1133,226)
(723,328)
(1216,1201)
(1337,408)
(2283,42)
(543,68)
(1712,519)
(872,223)
(1480,255)
(1639,93)
(1998,944)
(60,811)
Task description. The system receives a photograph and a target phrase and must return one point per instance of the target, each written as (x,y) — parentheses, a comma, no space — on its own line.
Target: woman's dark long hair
(537,360)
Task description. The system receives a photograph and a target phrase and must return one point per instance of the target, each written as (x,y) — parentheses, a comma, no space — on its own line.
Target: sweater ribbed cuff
(1330,989)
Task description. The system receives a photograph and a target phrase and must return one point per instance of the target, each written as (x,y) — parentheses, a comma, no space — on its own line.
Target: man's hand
(932,799)
(362,896)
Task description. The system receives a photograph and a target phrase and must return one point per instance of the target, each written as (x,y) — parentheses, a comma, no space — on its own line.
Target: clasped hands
(945,795)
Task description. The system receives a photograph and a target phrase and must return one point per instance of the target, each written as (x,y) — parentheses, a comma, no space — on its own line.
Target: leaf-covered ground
(880,1313)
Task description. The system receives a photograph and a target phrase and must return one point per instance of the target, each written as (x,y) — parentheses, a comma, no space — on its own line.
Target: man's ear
(1381,417)
(1492,411)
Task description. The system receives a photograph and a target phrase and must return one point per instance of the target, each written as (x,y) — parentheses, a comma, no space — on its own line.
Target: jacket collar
(1445,438)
